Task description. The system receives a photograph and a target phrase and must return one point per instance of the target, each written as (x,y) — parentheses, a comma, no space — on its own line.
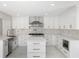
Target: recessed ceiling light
(4,5)
(52,4)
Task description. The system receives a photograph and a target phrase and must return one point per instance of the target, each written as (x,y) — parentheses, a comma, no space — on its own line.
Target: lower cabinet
(22,40)
(36,55)
(6,46)
(3,48)
(36,48)
(68,46)
(58,41)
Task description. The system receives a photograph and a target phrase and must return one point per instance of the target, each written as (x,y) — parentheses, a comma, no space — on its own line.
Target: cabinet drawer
(36,45)
(36,50)
(36,55)
(36,42)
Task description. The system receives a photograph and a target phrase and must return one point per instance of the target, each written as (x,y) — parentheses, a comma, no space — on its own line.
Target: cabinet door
(0,26)
(49,39)
(5,47)
(22,39)
(1,48)
(54,40)
(59,41)
(5,26)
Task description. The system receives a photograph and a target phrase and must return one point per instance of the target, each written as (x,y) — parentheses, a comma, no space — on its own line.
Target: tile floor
(52,52)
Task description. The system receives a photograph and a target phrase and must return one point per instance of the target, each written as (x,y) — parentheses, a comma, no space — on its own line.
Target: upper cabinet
(50,22)
(5,24)
(0,27)
(20,22)
(68,19)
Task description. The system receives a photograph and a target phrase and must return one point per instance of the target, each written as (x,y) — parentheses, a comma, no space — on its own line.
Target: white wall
(20,22)
(68,18)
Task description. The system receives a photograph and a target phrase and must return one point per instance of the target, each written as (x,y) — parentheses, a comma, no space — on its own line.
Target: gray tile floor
(52,52)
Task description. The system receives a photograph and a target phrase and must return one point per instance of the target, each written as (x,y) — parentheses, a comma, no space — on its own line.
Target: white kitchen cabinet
(52,24)
(72,51)
(53,40)
(0,26)
(73,46)
(59,45)
(48,39)
(59,41)
(5,23)
(22,40)
(68,19)
(20,22)
(3,48)
(4,26)
(36,47)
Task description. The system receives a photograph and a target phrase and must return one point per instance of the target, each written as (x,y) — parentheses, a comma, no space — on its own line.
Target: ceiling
(34,8)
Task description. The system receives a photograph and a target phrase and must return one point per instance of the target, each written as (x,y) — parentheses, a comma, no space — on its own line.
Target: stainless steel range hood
(36,22)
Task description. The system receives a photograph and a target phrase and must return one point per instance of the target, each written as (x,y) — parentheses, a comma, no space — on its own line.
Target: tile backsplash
(67,32)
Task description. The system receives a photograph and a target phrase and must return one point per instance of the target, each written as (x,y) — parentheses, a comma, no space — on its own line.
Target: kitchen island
(36,47)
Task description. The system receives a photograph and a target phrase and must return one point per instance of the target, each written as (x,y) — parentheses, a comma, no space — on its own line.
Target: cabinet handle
(36,43)
(35,49)
(36,56)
